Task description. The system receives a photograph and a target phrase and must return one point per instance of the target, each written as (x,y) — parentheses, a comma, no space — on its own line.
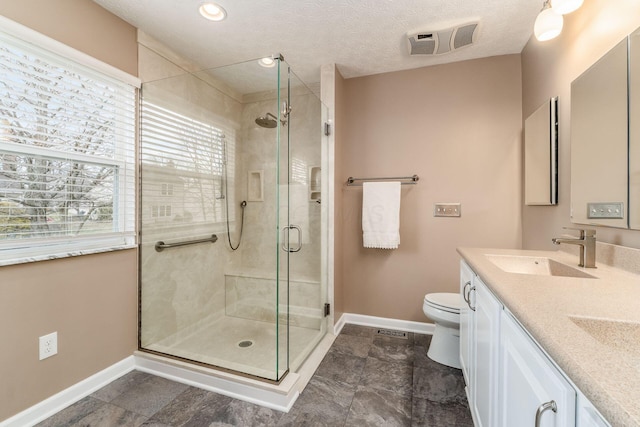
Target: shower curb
(279,397)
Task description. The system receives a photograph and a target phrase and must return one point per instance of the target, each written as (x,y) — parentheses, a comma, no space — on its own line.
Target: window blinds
(187,167)
(67,154)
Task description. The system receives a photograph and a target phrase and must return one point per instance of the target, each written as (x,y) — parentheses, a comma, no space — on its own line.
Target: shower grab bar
(160,246)
(413,180)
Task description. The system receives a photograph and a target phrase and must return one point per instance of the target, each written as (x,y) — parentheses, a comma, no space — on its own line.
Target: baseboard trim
(339,325)
(54,404)
(384,322)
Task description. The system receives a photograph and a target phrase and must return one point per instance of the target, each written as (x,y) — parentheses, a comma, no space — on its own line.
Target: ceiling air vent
(442,41)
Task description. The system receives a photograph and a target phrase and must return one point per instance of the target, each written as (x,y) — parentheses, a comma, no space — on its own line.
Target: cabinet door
(466,281)
(588,416)
(487,340)
(529,383)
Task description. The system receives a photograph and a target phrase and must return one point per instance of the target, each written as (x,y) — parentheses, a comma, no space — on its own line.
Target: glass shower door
(303,139)
(284,231)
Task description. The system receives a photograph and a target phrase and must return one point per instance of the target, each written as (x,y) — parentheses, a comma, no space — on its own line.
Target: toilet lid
(448,301)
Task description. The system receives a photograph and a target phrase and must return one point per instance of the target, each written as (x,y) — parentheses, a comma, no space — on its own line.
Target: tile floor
(364,380)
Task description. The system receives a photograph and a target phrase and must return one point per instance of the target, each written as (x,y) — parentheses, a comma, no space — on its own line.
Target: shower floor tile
(417,392)
(219,344)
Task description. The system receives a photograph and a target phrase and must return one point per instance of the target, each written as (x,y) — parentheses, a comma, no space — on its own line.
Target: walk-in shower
(251,301)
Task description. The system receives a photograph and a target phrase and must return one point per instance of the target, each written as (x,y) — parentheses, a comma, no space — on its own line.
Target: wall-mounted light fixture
(566,6)
(549,22)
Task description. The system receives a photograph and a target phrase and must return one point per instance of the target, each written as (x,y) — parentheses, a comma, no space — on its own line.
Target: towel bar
(412,180)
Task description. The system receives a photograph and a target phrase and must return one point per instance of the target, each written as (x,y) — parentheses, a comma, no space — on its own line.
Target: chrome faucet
(587,243)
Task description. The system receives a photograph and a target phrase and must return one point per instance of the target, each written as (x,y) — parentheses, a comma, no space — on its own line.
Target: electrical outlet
(48,345)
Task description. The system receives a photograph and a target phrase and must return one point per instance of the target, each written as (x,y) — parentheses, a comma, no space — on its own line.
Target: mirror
(634,130)
(599,142)
(541,155)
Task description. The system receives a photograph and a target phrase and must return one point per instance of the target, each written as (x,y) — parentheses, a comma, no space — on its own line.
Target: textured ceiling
(362,37)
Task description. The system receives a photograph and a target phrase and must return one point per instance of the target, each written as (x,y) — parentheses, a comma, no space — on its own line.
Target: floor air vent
(392,333)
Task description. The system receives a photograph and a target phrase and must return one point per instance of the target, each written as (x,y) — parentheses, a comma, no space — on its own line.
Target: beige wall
(81,24)
(91,301)
(548,68)
(457,126)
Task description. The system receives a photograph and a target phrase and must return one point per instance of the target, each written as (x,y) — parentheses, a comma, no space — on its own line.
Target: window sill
(48,257)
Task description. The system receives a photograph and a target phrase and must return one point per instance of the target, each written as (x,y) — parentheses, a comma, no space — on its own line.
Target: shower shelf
(314,183)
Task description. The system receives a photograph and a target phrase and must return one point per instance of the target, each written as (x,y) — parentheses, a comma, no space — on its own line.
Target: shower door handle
(285,242)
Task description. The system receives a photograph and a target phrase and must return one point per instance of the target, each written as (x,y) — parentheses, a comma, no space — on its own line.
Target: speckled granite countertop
(606,371)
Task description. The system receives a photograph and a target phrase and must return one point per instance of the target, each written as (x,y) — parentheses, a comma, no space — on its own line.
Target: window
(161,211)
(67,143)
(183,171)
(167,189)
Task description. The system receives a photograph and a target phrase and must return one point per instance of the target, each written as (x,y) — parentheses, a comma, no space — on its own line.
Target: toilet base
(445,346)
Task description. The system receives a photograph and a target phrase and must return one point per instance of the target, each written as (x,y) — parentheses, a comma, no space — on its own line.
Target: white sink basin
(621,335)
(539,266)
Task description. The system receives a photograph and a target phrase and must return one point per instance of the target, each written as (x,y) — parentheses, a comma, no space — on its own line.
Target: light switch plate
(446,209)
(605,210)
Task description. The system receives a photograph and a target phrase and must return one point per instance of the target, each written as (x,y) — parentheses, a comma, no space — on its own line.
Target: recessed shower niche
(315,183)
(255,186)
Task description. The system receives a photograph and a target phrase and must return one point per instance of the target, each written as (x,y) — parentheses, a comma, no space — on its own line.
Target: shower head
(267,121)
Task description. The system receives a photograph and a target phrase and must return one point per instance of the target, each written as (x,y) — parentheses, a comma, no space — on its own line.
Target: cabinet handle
(549,405)
(473,288)
(464,291)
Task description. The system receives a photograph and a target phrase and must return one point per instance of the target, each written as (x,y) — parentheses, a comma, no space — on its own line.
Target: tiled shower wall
(181,288)
(258,251)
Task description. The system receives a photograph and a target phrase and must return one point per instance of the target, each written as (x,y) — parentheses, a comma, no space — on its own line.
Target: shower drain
(245,343)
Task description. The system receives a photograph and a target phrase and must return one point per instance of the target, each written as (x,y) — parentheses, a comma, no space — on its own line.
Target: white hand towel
(381,215)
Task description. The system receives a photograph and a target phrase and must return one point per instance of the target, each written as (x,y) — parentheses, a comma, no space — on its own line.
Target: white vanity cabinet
(588,416)
(532,390)
(487,335)
(510,380)
(479,335)
(466,323)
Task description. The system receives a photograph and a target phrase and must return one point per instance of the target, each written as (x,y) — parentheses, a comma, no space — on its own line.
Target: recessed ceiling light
(212,11)
(267,62)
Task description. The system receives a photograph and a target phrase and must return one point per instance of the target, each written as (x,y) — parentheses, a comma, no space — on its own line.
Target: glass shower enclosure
(231,252)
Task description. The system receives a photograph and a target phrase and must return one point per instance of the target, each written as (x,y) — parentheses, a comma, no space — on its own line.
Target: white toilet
(444,310)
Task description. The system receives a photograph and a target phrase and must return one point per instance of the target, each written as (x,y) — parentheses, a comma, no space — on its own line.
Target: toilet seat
(448,302)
